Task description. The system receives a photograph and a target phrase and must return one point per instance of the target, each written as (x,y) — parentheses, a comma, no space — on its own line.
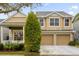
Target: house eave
(56,32)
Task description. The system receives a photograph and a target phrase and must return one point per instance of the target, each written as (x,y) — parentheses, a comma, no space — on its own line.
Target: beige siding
(21,18)
(61,24)
(16,19)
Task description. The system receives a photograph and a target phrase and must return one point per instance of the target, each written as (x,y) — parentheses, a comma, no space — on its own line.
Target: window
(66,21)
(41,20)
(18,35)
(6,37)
(54,21)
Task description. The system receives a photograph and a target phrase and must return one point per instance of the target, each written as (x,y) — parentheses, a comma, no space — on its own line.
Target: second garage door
(47,40)
(63,39)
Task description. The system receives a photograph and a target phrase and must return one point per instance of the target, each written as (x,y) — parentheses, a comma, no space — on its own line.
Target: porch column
(10,35)
(71,37)
(1,34)
(54,39)
(23,34)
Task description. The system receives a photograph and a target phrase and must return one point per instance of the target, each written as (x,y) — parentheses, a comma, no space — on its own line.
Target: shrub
(72,43)
(32,33)
(21,46)
(18,47)
(8,46)
(1,47)
(13,47)
(76,41)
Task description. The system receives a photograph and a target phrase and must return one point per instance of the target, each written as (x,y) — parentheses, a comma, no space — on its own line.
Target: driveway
(59,50)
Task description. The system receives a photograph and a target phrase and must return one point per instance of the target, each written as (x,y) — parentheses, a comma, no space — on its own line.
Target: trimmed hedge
(18,47)
(1,46)
(11,47)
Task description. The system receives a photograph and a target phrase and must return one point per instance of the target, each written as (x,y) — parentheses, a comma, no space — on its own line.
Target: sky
(71,8)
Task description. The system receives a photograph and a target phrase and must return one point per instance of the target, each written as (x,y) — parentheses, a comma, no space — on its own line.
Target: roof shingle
(45,13)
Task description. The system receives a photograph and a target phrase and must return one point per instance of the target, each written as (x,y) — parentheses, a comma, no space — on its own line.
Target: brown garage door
(63,39)
(47,40)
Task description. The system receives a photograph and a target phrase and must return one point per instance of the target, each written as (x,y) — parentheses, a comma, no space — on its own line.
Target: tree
(9,7)
(32,33)
(31,44)
(76,18)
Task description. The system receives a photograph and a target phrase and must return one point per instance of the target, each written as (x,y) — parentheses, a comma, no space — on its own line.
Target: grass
(17,53)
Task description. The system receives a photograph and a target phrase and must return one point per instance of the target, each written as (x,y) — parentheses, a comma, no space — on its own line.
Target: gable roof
(39,14)
(18,14)
(47,13)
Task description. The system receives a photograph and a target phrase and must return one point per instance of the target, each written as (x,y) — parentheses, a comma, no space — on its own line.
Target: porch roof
(21,24)
(17,19)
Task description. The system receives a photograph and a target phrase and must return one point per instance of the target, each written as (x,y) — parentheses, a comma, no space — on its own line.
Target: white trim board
(54,12)
(49,21)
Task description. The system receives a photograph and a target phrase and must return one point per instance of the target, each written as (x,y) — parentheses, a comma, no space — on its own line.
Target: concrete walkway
(59,50)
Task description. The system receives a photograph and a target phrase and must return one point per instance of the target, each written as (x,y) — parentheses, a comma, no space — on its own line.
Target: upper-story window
(41,20)
(54,21)
(66,21)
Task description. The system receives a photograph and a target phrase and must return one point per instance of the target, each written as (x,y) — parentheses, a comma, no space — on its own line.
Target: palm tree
(76,18)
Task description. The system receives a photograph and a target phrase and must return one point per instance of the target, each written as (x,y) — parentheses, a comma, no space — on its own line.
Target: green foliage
(76,18)
(77,42)
(1,46)
(21,46)
(9,7)
(32,33)
(8,46)
(18,47)
(72,43)
(13,47)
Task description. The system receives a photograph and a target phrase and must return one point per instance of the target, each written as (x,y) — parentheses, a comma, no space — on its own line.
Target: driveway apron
(59,50)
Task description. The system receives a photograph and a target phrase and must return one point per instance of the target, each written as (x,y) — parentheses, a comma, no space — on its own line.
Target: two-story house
(57,28)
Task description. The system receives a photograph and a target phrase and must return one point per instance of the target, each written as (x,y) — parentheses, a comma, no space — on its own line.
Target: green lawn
(17,53)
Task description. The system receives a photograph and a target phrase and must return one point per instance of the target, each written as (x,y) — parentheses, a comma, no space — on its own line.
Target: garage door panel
(63,39)
(47,40)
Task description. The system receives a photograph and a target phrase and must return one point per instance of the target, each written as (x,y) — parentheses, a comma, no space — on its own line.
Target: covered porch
(15,26)
(15,34)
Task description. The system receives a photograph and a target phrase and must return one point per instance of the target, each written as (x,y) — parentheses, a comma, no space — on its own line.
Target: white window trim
(64,23)
(43,22)
(13,35)
(54,26)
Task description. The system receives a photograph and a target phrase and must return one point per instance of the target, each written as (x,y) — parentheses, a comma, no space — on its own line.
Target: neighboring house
(57,28)
(76,28)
